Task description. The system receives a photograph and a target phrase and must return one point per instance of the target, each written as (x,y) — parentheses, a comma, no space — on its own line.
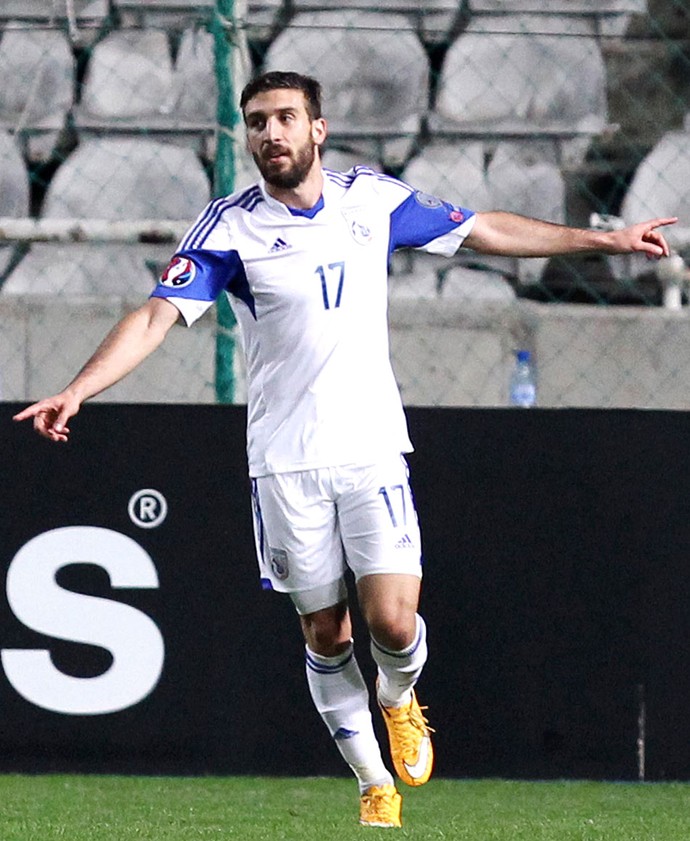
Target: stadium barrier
(134,636)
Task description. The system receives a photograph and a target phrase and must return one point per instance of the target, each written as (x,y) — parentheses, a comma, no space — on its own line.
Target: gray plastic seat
(453,171)
(123,178)
(41,66)
(659,188)
(434,19)
(14,189)
(374,71)
(14,179)
(112,179)
(91,13)
(507,84)
(572,17)
(521,179)
(132,88)
(661,184)
(89,270)
(163,14)
(195,91)
(130,74)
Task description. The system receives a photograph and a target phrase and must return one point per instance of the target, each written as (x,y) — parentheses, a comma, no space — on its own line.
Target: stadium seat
(112,179)
(14,189)
(434,20)
(129,75)
(511,85)
(661,184)
(35,106)
(264,19)
(258,19)
(660,187)
(92,271)
(164,14)
(195,92)
(81,12)
(376,105)
(453,171)
(132,88)
(522,179)
(14,179)
(572,17)
(123,178)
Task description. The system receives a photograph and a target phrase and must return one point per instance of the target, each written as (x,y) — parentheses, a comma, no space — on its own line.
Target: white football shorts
(311,525)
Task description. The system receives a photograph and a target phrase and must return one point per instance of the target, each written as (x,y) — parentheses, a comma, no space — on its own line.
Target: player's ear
(319,131)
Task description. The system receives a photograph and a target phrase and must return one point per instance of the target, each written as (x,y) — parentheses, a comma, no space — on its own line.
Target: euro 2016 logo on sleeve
(180,272)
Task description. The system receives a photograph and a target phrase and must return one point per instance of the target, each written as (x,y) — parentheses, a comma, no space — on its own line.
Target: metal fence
(119,122)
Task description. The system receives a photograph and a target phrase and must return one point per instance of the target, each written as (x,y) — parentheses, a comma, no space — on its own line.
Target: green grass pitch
(91,808)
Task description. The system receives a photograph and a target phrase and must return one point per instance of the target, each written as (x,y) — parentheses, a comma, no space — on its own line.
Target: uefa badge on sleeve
(427,200)
(181,272)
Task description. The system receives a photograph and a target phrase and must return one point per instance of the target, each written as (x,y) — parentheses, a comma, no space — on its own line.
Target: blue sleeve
(422,218)
(201,275)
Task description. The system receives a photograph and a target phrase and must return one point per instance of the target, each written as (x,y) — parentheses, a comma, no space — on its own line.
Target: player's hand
(644,238)
(50,416)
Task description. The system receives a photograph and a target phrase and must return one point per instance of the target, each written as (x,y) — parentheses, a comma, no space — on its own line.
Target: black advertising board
(134,636)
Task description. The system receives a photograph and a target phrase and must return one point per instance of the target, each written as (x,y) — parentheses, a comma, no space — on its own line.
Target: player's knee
(327,632)
(392,629)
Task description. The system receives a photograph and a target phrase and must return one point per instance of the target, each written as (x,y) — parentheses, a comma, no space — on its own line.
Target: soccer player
(303,256)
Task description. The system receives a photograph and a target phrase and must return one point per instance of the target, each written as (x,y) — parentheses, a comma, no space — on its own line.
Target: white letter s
(129,635)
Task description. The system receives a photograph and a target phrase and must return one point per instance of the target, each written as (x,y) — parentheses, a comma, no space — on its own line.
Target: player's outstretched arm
(136,336)
(508,234)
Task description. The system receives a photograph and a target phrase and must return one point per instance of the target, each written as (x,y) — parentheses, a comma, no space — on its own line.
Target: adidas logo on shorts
(405,542)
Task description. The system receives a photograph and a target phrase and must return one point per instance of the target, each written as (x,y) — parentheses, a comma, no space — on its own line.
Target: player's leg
(300,553)
(398,633)
(383,546)
(398,646)
(339,692)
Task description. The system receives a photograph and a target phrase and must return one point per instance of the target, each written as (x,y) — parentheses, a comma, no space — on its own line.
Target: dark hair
(285,80)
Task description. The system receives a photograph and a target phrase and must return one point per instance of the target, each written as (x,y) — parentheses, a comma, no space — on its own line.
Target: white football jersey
(309,291)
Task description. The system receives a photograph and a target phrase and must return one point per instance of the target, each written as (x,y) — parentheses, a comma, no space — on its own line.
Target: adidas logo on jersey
(279,245)
(405,542)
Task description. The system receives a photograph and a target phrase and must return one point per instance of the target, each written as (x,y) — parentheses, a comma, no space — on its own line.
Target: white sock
(341,698)
(400,670)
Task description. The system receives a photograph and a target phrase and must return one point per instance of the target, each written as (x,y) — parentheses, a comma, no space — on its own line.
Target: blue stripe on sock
(407,652)
(325,668)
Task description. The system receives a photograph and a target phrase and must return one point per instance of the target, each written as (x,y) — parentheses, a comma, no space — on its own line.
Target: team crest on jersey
(279,563)
(180,272)
(359,227)
(427,200)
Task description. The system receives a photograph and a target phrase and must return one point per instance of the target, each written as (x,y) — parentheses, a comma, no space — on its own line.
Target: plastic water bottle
(523,386)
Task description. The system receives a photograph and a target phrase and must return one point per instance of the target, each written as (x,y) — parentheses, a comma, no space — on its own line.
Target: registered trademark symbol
(147,508)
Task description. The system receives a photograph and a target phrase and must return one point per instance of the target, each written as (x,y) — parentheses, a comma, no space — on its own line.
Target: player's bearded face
(283,167)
